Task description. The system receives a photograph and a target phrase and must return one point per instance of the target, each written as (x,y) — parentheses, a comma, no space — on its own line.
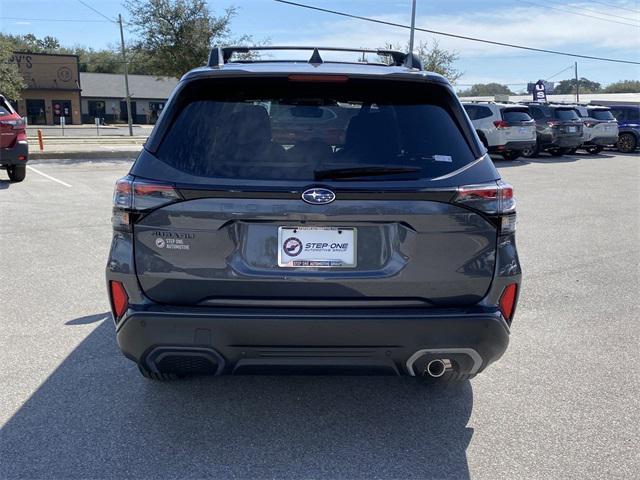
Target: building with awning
(52,90)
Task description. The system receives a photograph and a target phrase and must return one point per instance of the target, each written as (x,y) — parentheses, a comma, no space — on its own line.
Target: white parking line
(48,176)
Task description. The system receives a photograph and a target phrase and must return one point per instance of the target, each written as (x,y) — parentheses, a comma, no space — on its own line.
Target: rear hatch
(566,122)
(10,125)
(602,123)
(517,124)
(236,204)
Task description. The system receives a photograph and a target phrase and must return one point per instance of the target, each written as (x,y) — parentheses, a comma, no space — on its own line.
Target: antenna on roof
(315,59)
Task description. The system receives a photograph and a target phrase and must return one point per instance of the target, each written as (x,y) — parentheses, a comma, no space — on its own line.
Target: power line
(561,71)
(599,12)
(615,6)
(462,37)
(55,20)
(572,12)
(97,11)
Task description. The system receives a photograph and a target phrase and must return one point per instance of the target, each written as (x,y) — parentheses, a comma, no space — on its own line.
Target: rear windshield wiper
(337,173)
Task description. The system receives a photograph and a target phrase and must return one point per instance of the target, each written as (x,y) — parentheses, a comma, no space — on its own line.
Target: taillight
(15,124)
(119,299)
(133,196)
(590,124)
(553,123)
(495,199)
(501,124)
(508,301)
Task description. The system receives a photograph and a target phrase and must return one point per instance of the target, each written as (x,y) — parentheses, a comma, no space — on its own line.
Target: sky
(606,28)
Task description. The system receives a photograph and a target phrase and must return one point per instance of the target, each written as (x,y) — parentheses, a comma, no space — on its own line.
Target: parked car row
(527,129)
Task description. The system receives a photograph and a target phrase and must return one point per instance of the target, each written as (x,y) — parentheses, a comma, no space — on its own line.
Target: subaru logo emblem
(318,196)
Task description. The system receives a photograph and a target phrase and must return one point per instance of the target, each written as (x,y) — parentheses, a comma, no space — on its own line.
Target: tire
(17,172)
(572,151)
(511,155)
(531,153)
(594,150)
(627,142)
(158,377)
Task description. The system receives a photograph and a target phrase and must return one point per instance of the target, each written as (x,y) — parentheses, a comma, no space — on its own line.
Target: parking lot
(564,401)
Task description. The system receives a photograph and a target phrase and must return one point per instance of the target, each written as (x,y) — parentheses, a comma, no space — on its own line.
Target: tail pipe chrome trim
(470,352)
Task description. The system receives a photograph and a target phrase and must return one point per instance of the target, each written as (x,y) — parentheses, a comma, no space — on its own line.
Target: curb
(89,155)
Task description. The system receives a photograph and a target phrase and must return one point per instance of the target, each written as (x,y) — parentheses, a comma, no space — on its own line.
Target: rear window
(516,115)
(276,129)
(582,112)
(566,114)
(4,108)
(602,114)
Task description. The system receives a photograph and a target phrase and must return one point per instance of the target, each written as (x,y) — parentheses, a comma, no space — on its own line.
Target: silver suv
(600,128)
(503,128)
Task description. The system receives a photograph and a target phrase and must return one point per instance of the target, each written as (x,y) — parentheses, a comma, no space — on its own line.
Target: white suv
(504,128)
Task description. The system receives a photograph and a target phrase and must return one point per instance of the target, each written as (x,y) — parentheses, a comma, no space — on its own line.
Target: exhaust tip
(436,368)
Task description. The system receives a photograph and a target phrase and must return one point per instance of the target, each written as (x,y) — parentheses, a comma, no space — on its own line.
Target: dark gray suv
(313,216)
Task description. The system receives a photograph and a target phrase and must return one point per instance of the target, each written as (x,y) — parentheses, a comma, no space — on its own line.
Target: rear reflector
(508,301)
(119,299)
(318,78)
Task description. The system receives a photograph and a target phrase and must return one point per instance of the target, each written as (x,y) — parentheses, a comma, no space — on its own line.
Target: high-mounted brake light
(508,301)
(318,78)
(119,299)
(501,124)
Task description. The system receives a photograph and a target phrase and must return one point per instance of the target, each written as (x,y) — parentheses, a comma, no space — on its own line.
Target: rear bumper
(602,141)
(553,141)
(16,155)
(515,145)
(329,340)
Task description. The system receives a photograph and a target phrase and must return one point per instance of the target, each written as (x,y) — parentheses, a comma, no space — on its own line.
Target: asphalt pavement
(563,403)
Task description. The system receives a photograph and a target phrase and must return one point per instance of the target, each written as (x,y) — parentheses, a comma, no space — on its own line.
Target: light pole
(126,77)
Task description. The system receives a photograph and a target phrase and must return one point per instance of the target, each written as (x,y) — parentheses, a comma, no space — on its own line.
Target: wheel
(594,150)
(159,377)
(17,172)
(627,142)
(531,152)
(572,151)
(511,154)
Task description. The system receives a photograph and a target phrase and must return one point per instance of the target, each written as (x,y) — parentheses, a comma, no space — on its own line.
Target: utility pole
(577,84)
(126,77)
(413,26)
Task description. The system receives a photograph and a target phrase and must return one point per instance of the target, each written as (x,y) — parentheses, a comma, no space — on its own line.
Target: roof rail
(221,55)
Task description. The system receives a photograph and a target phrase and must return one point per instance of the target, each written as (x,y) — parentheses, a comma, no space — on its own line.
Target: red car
(14,150)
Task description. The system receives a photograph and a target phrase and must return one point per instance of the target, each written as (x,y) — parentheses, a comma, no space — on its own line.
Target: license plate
(324,247)
(572,129)
(522,130)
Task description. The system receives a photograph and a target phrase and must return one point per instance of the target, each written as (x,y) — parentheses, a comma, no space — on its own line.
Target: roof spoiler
(221,55)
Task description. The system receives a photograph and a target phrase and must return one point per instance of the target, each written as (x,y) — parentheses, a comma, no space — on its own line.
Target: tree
(566,87)
(485,90)
(177,34)
(434,58)
(438,60)
(624,86)
(11,81)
